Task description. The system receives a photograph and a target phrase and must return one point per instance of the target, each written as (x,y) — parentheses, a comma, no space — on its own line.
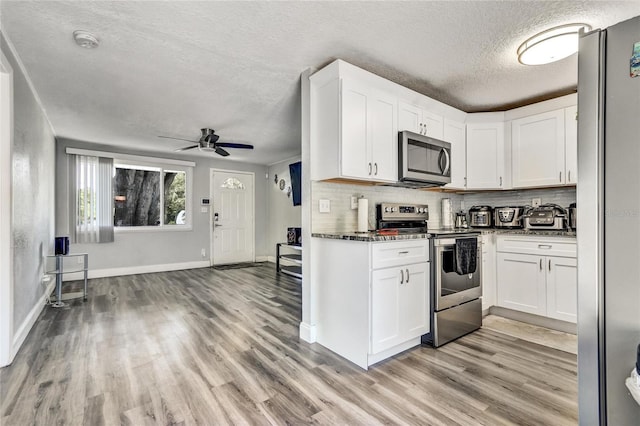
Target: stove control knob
(420,210)
(387,210)
(393,209)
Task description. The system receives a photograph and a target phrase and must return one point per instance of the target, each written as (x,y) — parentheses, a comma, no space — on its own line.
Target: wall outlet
(204,209)
(354,202)
(203,253)
(325,206)
(536,202)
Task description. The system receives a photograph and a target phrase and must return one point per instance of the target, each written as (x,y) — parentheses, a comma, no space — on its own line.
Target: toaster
(508,217)
(547,216)
(481,216)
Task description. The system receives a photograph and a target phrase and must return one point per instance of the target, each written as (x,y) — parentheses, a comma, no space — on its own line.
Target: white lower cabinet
(488,271)
(373,297)
(536,280)
(399,305)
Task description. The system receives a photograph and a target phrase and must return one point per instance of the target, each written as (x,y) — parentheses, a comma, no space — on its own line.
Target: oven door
(423,159)
(450,288)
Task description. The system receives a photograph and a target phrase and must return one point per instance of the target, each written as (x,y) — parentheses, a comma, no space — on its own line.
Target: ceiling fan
(209,142)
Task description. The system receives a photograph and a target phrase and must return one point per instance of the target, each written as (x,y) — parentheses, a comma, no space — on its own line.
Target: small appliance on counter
(546,216)
(481,216)
(461,220)
(509,217)
(395,218)
(573,216)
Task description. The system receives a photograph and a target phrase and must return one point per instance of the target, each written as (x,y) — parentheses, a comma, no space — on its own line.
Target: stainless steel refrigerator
(608,198)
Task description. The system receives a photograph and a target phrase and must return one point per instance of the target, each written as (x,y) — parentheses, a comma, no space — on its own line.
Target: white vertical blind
(94,199)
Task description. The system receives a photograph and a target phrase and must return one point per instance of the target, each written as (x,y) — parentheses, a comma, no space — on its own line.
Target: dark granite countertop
(373,236)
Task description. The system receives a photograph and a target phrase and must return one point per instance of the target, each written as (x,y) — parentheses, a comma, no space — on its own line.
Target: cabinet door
(562,288)
(455,134)
(383,137)
(485,156)
(415,301)
(386,328)
(538,150)
(488,271)
(571,144)
(409,117)
(432,125)
(521,283)
(355,152)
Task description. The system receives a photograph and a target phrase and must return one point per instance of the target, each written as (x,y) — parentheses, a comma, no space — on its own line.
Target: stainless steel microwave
(422,160)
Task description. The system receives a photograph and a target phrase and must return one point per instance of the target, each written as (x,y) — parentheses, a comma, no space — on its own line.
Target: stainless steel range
(456,273)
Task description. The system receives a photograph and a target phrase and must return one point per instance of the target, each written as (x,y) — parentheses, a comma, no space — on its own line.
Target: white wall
(32,200)
(282,213)
(147,251)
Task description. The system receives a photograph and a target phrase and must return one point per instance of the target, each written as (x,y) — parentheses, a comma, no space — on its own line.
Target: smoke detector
(85,39)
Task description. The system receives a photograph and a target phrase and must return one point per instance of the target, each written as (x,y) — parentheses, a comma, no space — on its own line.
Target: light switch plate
(324,206)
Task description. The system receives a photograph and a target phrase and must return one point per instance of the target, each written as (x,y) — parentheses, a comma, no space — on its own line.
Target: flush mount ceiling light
(85,39)
(551,45)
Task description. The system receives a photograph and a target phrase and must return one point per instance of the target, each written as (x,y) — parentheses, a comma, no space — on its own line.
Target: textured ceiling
(170,68)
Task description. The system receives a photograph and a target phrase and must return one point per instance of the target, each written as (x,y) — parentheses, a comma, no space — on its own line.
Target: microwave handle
(444,153)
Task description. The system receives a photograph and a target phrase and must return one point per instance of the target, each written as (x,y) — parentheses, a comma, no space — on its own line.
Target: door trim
(212,172)
(6,239)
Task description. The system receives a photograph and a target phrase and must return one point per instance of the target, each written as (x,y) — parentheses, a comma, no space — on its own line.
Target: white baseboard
(308,332)
(131,270)
(271,259)
(21,334)
(262,258)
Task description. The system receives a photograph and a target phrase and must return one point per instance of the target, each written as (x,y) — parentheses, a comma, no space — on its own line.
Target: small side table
(294,271)
(60,271)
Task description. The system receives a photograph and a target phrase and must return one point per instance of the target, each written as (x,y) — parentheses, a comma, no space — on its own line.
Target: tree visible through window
(139,196)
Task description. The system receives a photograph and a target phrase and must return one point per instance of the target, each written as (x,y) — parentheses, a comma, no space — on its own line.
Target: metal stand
(59,271)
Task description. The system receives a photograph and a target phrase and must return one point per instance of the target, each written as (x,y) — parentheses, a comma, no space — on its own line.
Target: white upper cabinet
(419,120)
(368,134)
(538,150)
(354,132)
(485,156)
(455,134)
(571,144)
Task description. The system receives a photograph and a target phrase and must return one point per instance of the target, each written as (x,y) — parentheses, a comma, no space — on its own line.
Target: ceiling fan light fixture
(551,45)
(85,39)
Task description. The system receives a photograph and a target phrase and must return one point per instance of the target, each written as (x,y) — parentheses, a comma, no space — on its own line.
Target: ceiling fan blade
(178,139)
(222,152)
(235,145)
(186,148)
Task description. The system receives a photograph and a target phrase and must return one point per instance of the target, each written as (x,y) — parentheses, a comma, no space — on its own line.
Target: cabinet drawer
(396,253)
(538,246)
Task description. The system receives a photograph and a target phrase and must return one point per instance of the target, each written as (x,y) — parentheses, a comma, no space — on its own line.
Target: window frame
(161,165)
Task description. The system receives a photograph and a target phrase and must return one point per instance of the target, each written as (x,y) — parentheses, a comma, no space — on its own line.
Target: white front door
(232,216)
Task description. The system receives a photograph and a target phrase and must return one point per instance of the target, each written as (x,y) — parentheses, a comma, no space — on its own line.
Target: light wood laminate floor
(211,347)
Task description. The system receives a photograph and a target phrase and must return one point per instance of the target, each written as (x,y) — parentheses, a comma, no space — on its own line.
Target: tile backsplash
(561,196)
(342,218)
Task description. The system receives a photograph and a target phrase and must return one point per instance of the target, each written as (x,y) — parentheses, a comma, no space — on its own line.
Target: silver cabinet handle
(376,168)
(215,225)
(424,126)
(465,181)
(541,264)
(369,169)
(560,177)
(401,276)
(408,275)
(569,176)
(500,180)
(421,129)
(403,252)
(549,264)
(545,246)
